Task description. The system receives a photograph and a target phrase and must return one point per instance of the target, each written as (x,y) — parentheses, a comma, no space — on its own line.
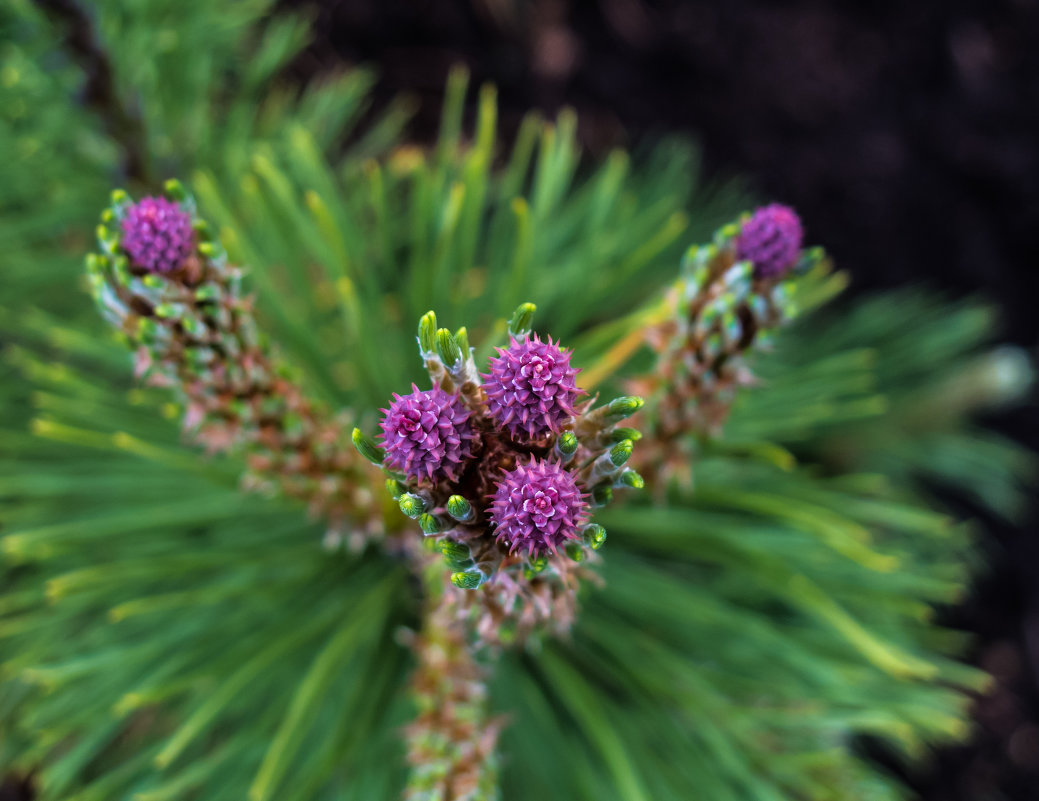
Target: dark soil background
(907,135)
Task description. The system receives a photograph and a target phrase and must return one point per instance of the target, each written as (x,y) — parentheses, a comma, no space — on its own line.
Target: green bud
(538,564)
(175,189)
(602,495)
(447,348)
(629,478)
(467,579)
(412,505)
(621,434)
(575,551)
(566,445)
(207,293)
(202,230)
(427,333)
(727,233)
(168,311)
(460,509)
(594,536)
(522,320)
(462,338)
(119,197)
(367,447)
(621,452)
(208,249)
(455,550)
(395,488)
(810,257)
(619,408)
(431,524)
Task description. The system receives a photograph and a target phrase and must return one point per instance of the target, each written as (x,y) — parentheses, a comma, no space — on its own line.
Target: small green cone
(575,551)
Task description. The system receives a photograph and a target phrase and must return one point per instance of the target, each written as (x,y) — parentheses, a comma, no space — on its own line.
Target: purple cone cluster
(157,234)
(534,505)
(427,434)
(537,507)
(530,389)
(771,240)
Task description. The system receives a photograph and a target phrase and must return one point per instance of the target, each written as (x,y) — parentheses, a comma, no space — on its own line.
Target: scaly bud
(175,189)
(538,563)
(575,551)
(367,447)
(431,524)
(522,320)
(468,579)
(462,340)
(460,509)
(566,446)
(621,452)
(412,505)
(447,348)
(427,334)
(601,495)
(631,480)
(395,488)
(594,536)
(621,434)
(455,551)
(619,408)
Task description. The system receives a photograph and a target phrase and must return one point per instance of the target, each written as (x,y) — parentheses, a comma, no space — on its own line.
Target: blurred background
(907,135)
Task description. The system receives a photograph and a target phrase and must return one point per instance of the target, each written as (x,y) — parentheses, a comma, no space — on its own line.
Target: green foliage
(164,636)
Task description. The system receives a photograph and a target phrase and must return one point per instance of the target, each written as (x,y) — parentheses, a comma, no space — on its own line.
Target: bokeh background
(907,134)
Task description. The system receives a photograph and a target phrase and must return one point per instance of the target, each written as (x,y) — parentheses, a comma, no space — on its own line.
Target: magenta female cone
(427,434)
(530,389)
(537,507)
(157,234)
(771,240)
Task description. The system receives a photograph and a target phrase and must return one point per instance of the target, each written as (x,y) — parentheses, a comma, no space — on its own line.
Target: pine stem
(452,742)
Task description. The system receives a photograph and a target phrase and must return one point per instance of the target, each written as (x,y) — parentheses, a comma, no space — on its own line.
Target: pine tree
(207,592)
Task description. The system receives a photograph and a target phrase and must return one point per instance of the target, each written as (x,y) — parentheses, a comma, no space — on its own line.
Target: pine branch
(171,292)
(452,742)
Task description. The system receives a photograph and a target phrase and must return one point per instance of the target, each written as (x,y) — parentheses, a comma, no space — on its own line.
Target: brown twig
(100,93)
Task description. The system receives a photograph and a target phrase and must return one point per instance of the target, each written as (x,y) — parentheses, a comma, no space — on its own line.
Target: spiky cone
(724,306)
(180,306)
(501,476)
(452,742)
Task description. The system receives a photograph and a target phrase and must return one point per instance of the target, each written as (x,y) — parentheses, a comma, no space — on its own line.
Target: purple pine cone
(537,507)
(157,234)
(427,434)
(771,240)
(530,389)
